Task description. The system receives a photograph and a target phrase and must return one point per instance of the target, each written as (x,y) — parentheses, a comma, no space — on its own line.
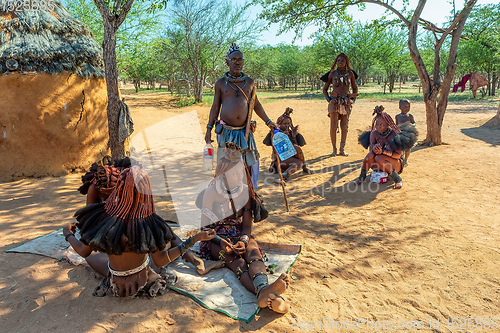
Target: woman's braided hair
(378,112)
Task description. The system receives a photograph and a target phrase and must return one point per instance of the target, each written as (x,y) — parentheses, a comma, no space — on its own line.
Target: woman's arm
(326,86)
(78,246)
(162,258)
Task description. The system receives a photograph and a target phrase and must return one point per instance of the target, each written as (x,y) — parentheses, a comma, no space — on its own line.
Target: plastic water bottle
(208,157)
(283,145)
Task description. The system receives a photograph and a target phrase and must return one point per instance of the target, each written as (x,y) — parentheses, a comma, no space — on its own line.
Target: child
(294,163)
(405,117)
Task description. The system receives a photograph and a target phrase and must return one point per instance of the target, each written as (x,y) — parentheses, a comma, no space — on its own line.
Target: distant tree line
(186,53)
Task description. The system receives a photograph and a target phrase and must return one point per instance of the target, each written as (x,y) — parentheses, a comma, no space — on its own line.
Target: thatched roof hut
(53,93)
(48,41)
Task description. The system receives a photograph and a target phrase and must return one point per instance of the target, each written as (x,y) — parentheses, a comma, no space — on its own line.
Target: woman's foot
(277,304)
(359,181)
(307,171)
(334,153)
(205,266)
(276,288)
(343,153)
(398,185)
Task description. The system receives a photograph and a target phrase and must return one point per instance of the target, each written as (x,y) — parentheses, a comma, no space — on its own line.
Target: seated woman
(227,209)
(101,180)
(291,164)
(386,142)
(124,230)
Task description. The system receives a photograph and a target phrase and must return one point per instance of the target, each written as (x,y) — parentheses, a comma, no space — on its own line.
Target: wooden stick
(279,171)
(251,104)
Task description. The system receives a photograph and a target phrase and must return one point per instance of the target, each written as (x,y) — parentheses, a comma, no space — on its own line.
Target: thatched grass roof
(50,42)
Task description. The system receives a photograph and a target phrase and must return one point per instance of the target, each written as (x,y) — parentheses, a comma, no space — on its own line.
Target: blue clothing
(237,135)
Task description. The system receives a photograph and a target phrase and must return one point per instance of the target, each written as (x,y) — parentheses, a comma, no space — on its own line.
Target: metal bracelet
(210,126)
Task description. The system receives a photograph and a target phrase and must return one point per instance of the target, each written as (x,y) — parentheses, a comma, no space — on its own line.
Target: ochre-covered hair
(132,197)
(284,116)
(379,113)
(346,60)
(127,221)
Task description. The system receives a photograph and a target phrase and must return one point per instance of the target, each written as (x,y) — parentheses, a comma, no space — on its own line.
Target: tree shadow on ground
(484,133)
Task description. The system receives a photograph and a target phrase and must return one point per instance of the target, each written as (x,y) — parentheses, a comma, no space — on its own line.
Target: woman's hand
(377,149)
(205,235)
(226,246)
(239,248)
(69,229)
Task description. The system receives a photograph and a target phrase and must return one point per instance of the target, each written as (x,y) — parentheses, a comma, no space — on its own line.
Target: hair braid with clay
(379,113)
(132,197)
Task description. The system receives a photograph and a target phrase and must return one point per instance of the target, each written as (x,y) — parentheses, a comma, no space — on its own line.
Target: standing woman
(340,100)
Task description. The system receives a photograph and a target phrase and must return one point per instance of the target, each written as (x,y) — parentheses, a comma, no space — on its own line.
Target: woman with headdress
(126,232)
(386,142)
(339,99)
(227,208)
(294,163)
(100,181)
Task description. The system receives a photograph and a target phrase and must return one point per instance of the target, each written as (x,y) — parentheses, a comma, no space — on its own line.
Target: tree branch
(103,8)
(123,13)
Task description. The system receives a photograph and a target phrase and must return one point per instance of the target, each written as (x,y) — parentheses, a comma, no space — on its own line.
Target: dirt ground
(405,258)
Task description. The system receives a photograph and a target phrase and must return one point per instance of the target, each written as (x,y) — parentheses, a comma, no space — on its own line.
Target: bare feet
(358,181)
(307,171)
(277,304)
(204,266)
(397,186)
(343,153)
(278,287)
(334,152)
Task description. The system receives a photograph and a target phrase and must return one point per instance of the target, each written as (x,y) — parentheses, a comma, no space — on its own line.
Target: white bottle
(208,157)
(283,145)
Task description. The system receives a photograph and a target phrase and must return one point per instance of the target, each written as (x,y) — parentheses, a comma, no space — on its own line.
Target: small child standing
(405,117)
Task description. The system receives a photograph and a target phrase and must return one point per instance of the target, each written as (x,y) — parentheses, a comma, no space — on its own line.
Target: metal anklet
(239,272)
(254,260)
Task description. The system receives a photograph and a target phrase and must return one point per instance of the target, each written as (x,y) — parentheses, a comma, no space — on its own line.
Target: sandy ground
(426,253)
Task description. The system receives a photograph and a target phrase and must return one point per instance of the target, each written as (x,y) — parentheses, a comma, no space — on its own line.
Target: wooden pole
(279,172)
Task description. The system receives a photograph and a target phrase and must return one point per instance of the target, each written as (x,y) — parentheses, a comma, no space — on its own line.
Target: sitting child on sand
(291,164)
(403,118)
(227,209)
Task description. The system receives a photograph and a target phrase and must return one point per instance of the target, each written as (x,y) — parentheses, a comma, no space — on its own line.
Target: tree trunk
(112,19)
(433,125)
(494,84)
(392,78)
(114,103)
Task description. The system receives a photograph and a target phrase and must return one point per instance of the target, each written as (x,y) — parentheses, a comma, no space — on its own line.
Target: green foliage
(139,27)
(482,51)
(199,35)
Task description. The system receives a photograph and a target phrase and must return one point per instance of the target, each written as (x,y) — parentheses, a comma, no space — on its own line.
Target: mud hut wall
(50,123)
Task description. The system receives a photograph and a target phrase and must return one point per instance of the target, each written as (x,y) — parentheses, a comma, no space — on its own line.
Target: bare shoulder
(220,82)
(250,80)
